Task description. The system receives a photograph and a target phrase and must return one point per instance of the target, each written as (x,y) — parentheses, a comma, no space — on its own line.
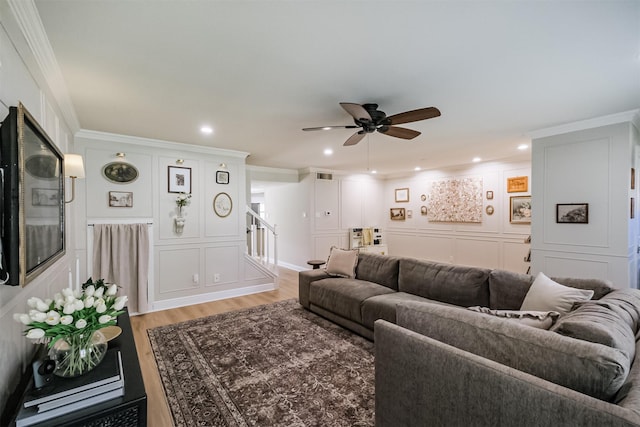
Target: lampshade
(73,166)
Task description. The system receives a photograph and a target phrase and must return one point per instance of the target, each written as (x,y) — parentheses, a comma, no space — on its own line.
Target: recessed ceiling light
(328,151)
(476,159)
(207,130)
(326,128)
(374,171)
(417,168)
(523,147)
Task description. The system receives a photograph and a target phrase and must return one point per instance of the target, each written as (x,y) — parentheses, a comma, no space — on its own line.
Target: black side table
(316,263)
(129,410)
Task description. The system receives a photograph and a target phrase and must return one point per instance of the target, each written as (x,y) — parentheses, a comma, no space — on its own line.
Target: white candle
(78,273)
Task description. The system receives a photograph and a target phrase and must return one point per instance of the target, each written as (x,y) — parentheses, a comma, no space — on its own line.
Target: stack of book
(65,395)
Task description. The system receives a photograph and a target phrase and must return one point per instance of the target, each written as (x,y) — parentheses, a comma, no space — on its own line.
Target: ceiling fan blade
(414,115)
(356,110)
(355,138)
(398,132)
(332,127)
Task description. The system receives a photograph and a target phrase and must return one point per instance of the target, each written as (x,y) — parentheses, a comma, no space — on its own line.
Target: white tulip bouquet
(73,316)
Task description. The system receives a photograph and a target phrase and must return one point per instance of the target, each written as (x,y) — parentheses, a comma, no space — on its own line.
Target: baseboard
(212,296)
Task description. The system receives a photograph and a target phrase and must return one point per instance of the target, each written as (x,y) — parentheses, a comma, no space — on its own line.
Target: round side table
(316,263)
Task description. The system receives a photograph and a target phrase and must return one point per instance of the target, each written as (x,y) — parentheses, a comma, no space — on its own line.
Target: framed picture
(222,177)
(632,214)
(423,210)
(120,199)
(572,213)
(409,213)
(402,195)
(45,197)
(397,214)
(489,210)
(179,180)
(120,172)
(518,184)
(423,197)
(633,178)
(520,210)
(489,195)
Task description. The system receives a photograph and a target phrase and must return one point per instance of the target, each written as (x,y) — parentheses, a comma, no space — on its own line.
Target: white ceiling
(259,71)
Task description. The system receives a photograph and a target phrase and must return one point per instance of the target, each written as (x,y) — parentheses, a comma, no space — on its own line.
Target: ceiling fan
(370,119)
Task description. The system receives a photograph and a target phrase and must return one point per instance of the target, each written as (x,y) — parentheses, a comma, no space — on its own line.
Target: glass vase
(77,354)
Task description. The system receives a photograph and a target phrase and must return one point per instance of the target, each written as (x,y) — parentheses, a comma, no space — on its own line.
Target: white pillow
(342,263)
(547,295)
(535,319)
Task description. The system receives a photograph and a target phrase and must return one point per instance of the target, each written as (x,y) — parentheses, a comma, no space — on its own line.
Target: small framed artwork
(397,214)
(633,178)
(518,184)
(409,213)
(222,205)
(632,214)
(423,197)
(423,210)
(489,210)
(222,177)
(120,199)
(489,195)
(45,197)
(179,180)
(572,213)
(402,195)
(520,210)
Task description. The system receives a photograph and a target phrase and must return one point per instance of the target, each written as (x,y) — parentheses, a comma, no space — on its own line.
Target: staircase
(262,242)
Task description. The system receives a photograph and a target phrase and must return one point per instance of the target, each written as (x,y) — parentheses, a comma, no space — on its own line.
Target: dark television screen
(33,198)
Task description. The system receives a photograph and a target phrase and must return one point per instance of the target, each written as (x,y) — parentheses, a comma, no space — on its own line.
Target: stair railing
(262,239)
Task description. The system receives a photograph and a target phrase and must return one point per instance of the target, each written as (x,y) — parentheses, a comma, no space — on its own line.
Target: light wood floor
(158,414)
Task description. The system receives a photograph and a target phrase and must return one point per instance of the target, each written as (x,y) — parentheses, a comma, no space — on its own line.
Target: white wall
(351,200)
(207,260)
(592,165)
(492,243)
(17,84)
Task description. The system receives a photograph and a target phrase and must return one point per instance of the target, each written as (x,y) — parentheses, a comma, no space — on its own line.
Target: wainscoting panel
(221,265)
(433,248)
(176,267)
(477,253)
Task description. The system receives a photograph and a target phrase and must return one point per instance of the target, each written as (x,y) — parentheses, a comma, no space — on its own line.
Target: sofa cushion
(589,368)
(344,296)
(342,262)
(508,289)
(453,284)
(612,321)
(384,307)
(382,269)
(548,295)
(535,319)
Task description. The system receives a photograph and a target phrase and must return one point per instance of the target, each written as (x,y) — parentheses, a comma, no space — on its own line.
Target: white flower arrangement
(183,199)
(72,313)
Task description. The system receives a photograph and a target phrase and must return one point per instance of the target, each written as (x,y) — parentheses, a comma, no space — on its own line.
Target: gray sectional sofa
(441,364)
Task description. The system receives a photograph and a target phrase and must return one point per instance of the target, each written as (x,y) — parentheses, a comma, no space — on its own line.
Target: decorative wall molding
(632,116)
(30,24)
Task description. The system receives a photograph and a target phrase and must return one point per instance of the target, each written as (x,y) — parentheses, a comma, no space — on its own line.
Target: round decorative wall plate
(489,210)
(222,205)
(120,172)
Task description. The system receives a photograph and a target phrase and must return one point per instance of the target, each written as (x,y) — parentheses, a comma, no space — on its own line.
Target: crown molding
(157,143)
(28,19)
(631,116)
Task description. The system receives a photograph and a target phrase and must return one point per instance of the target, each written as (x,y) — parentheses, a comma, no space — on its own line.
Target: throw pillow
(547,295)
(342,262)
(535,319)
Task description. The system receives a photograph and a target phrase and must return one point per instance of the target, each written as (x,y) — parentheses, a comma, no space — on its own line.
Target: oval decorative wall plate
(42,166)
(489,210)
(222,205)
(120,172)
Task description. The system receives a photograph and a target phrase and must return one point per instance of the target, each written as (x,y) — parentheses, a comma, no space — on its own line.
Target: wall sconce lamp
(73,168)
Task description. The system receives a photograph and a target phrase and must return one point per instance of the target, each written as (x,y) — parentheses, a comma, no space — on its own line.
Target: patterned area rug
(272,365)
